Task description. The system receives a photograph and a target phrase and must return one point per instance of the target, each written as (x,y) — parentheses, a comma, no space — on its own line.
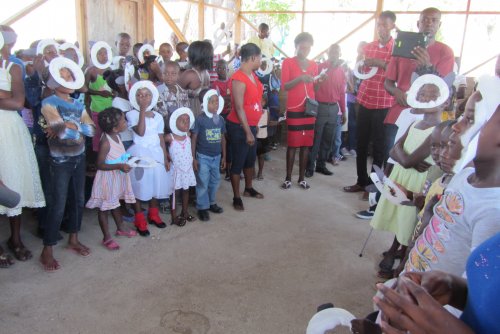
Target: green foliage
(280,21)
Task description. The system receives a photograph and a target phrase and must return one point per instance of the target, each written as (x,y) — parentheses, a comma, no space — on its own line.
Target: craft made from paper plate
(329,319)
(66,46)
(139,85)
(207,97)
(364,76)
(427,79)
(93,54)
(389,189)
(55,67)
(144,48)
(269,67)
(173,120)
(128,75)
(142,162)
(44,43)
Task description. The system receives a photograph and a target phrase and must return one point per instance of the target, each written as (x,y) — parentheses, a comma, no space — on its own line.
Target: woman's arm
(16,101)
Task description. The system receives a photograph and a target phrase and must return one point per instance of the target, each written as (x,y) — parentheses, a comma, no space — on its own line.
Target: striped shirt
(372,94)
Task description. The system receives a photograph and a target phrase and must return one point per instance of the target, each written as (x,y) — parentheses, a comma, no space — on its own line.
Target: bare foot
(48,262)
(79,248)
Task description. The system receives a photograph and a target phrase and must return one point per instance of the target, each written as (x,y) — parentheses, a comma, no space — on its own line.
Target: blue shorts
(243,155)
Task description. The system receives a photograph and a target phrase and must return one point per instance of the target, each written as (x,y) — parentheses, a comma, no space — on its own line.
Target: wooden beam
(212,6)
(82,26)
(303,15)
(481,64)
(23,12)
(348,35)
(201,20)
(244,12)
(380,6)
(170,21)
(463,34)
(256,29)
(237,22)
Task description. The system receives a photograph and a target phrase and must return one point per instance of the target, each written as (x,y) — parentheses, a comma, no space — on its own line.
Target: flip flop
(6,260)
(50,269)
(251,192)
(238,204)
(286,185)
(304,185)
(129,233)
(82,251)
(179,221)
(354,188)
(111,244)
(21,253)
(189,218)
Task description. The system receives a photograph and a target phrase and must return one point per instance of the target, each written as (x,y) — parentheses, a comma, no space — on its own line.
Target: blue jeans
(207,180)
(68,182)
(43,158)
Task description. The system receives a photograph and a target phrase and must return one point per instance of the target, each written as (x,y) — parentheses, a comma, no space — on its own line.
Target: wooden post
(82,26)
(380,7)
(237,22)
(23,12)
(303,15)
(170,21)
(201,20)
(463,34)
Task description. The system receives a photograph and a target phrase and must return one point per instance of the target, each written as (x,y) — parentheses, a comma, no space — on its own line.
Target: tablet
(406,42)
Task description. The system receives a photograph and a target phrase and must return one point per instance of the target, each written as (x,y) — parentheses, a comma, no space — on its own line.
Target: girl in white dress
(155,182)
(182,161)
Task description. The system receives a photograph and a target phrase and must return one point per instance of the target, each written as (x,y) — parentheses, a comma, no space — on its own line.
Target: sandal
(189,218)
(129,233)
(179,221)
(50,268)
(251,192)
(286,185)
(110,244)
(304,185)
(79,250)
(21,253)
(354,188)
(238,204)
(6,260)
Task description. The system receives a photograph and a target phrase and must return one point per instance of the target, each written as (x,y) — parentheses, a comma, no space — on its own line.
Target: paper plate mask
(388,188)
(328,319)
(115,63)
(144,48)
(364,76)
(173,120)
(66,46)
(93,55)
(139,85)
(269,67)
(427,79)
(55,67)
(43,44)
(207,97)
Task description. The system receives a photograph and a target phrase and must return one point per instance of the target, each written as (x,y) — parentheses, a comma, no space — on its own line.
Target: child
(429,95)
(148,184)
(182,160)
(181,49)
(221,85)
(67,124)
(209,151)
(166,52)
(171,95)
(99,91)
(112,183)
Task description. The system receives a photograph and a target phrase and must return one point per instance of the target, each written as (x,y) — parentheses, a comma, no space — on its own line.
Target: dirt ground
(261,271)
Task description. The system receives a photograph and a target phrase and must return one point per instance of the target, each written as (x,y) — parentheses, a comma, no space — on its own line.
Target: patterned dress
(110,186)
(182,159)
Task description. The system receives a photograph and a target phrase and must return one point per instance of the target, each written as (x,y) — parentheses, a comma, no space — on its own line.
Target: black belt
(328,104)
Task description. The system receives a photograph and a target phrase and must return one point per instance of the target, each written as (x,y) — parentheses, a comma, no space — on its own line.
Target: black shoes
(203,215)
(216,209)
(308,173)
(323,170)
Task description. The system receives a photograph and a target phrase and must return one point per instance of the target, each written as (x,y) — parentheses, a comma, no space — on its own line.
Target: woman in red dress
(297,79)
(241,126)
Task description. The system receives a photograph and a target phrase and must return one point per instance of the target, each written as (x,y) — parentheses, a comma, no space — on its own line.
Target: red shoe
(154,218)
(141,224)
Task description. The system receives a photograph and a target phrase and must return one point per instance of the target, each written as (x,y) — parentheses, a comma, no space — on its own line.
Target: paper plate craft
(269,67)
(55,67)
(364,76)
(329,319)
(173,120)
(66,46)
(388,188)
(93,54)
(323,71)
(43,44)
(139,85)
(144,48)
(142,162)
(128,75)
(427,79)
(207,97)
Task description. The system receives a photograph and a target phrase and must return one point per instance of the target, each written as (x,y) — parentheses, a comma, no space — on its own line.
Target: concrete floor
(262,271)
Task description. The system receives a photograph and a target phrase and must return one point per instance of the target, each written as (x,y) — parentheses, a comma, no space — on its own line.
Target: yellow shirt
(266,45)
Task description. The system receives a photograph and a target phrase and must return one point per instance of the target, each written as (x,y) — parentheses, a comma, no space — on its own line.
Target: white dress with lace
(18,165)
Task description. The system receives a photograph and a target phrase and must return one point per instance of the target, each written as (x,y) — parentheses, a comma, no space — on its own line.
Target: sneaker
(353,153)
(345,151)
(365,214)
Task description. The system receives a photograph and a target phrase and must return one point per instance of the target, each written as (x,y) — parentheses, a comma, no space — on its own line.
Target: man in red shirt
(330,95)
(437,59)
(374,102)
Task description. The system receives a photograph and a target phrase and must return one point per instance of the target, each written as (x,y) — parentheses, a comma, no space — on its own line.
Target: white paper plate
(364,76)
(142,162)
(328,319)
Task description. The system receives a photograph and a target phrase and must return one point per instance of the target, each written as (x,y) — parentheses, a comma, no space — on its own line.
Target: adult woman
(201,54)
(297,77)
(18,167)
(246,110)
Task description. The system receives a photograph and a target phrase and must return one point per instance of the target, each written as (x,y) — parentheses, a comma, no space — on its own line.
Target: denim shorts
(243,155)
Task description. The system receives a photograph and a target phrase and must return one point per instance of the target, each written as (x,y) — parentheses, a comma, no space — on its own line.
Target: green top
(99,103)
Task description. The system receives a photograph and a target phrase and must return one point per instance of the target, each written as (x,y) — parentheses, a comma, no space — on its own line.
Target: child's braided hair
(109,118)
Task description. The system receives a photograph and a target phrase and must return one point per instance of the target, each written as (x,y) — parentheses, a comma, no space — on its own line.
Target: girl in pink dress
(112,182)
(182,161)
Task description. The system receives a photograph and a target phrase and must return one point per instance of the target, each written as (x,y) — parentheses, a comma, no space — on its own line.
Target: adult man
(262,41)
(330,95)
(374,101)
(437,59)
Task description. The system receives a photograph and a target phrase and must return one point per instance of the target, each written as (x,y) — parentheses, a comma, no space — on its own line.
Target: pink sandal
(129,233)
(111,245)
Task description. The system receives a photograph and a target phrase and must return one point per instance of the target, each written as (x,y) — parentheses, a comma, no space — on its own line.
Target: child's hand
(125,168)
(50,133)
(223,163)
(167,165)
(195,165)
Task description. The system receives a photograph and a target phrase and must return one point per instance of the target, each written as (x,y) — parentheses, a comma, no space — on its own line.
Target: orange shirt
(252,100)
